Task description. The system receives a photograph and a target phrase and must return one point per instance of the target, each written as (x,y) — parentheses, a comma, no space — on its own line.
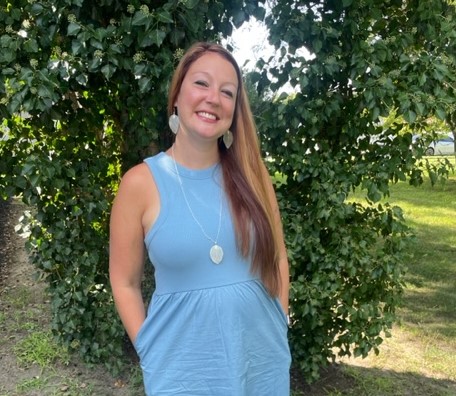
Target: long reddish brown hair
(245,176)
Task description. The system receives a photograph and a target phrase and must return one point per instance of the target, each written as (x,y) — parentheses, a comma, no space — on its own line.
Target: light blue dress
(211,329)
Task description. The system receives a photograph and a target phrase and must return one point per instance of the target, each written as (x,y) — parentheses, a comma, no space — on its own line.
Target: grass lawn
(420,357)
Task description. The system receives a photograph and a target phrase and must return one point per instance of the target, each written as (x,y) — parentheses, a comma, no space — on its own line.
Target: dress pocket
(137,343)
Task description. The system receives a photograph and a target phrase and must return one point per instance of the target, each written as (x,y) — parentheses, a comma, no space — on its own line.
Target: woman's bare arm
(126,249)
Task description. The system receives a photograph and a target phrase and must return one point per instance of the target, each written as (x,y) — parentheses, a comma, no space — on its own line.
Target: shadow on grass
(435,198)
(432,261)
(437,317)
(349,380)
(431,238)
(430,294)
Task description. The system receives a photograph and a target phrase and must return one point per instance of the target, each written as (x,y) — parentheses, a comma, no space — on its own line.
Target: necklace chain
(190,209)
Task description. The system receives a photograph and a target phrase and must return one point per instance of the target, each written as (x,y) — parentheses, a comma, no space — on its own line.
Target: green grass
(39,347)
(430,298)
(42,366)
(53,385)
(420,357)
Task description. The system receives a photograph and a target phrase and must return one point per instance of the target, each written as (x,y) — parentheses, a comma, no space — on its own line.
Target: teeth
(207,115)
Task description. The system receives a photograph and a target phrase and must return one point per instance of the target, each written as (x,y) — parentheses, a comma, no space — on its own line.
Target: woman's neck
(194,156)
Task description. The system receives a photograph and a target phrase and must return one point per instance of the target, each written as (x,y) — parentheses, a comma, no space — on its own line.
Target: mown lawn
(420,357)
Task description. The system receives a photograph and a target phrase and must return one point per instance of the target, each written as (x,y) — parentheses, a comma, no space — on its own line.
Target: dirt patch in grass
(31,362)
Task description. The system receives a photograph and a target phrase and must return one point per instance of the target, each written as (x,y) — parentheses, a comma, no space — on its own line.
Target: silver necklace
(216,251)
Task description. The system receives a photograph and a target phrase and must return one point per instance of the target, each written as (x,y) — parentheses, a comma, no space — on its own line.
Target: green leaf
(140,19)
(158,36)
(14,105)
(165,16)
(419,107)
(58,183)
(108,70)
(29,104)
(29,167)
(96,44)
(376,13)
(239,18)
(144,84)
(27,75)
(36,9)
(259,13)
(94,64)
(146,39)
(73,29)
(35,180)
(7,55)
(422,79)
(44,92)
(317,45)
(114,48)
(16,14)
(77,46)
(176,36)
(375,113)
(347,3)
(410,116)
(139,69)
(21,182)
(441,114)
(191,4)
(82,79)
(6,40)
(100,34)
(114,60)
(31,45)
(8,71)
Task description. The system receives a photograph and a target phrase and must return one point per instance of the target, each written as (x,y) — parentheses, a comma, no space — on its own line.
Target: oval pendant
(216,254)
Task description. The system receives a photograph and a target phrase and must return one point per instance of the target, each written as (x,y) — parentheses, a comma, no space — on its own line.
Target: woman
(207,214)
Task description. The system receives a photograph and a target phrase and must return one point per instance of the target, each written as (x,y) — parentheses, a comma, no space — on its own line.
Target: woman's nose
(213,97)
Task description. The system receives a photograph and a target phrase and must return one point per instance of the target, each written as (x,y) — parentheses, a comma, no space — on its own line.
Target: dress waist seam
(253,280)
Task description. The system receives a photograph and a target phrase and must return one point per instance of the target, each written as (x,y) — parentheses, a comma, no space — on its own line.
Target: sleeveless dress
(211,329)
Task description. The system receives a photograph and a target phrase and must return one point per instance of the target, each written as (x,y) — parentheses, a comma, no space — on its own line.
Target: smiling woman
(207,214)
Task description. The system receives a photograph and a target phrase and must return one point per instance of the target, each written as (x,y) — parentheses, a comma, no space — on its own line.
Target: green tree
(350,64)
(83,97)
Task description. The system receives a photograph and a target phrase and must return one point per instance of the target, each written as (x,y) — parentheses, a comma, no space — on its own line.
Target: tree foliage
(83,97)
(351,64)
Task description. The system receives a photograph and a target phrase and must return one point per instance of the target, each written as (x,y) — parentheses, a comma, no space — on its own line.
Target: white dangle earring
(228,139)
(173,122)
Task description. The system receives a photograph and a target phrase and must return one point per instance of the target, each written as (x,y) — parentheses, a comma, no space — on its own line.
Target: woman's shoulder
(135,176)
(137,183)
(136,188)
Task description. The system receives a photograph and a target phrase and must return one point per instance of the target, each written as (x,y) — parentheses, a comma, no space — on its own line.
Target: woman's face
(207,98)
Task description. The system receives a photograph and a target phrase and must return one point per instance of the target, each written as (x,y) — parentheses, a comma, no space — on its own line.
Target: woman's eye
(202,83)
(228,93)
